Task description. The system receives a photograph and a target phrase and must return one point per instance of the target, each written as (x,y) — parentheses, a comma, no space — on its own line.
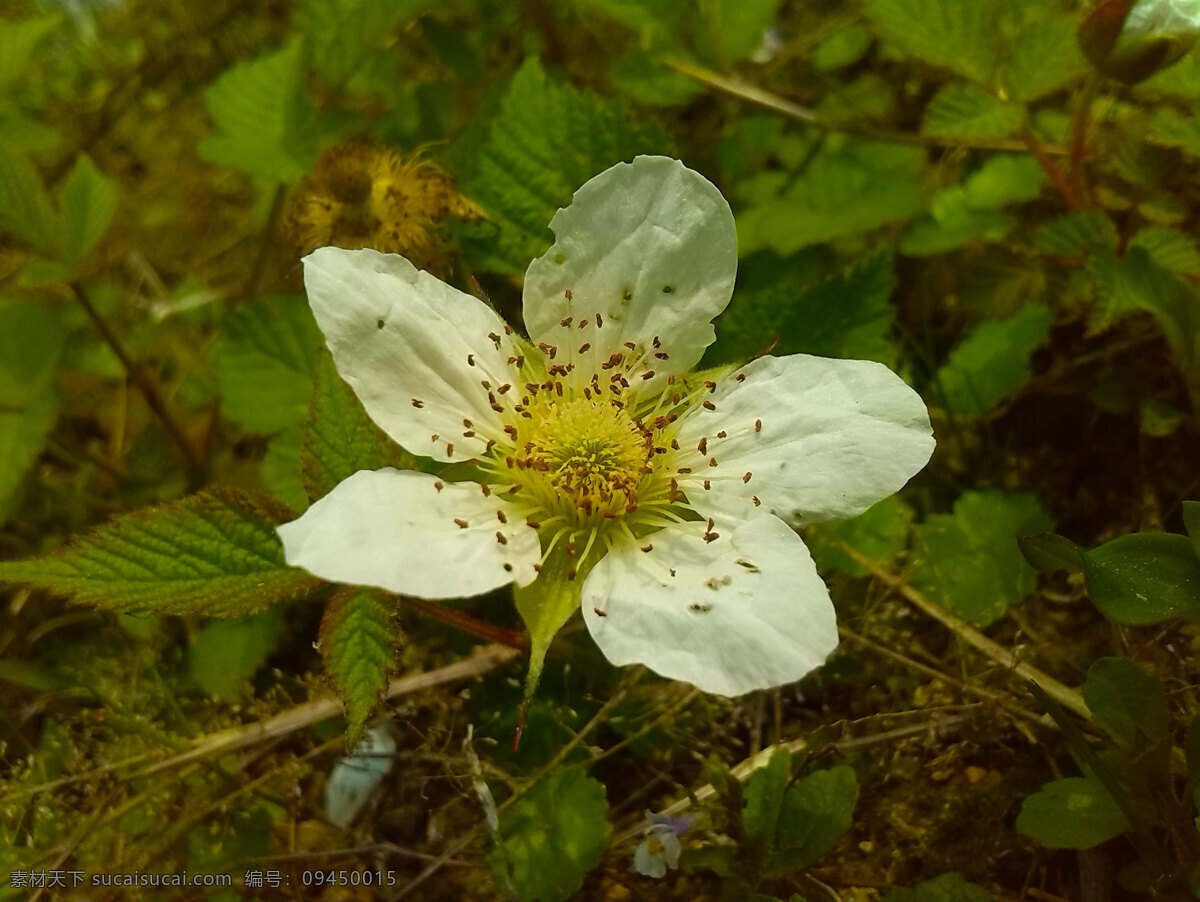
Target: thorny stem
(196,469)
(1081,118)
(1034,146)
(768,100)
(465,622)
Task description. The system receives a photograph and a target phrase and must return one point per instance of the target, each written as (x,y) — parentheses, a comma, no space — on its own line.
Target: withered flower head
(359,196)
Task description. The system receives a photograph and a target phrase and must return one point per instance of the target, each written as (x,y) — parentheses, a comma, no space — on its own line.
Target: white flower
(665,502)
(1150,18)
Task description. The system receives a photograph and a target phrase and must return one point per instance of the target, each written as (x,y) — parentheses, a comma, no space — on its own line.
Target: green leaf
(1126,702)
(1074,233)
(1072,813)
(968,111)
(847,316)
(215,553)
(1144,577)
(552,837)
(1169,248)
(280,470)
(344,40)
(25,208)
(226,654)
(265,363)
(1044,58)
(737,26)
(339,438)
(18,41)
(969,562)
(356,638)
(958,35)
(1191,522)
(1049,552)
(880,533)
(31,340)
(973,209)
(950,887)
(263,118)
(763,797)
(993,360)
(546,140)
(844,47)
(816,811)
(849,187)
(89,202)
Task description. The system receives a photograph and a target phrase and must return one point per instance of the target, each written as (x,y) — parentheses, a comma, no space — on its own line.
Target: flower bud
(1130,40)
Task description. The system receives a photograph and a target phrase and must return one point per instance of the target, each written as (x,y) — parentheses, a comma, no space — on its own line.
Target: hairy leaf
(356,639)
(968,111)
(214,553)
(993,360)
(958,35)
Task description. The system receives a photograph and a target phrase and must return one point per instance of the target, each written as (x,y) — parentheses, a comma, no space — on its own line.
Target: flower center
(589,455)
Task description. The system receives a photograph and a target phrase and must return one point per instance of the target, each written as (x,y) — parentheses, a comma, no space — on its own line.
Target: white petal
(401,338)
(836,436)
(396,529)
(651,247)
(746,611)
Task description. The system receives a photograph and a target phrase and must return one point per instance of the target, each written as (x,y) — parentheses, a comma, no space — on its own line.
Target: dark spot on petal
(379,323)
(668,289)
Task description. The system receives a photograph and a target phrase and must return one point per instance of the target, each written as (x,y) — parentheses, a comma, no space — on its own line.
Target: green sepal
(545,605)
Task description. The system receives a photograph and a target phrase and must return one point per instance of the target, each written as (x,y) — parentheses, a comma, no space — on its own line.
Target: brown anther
(449,449)
(514,488)
(707,485)
(684,470)
(754,498)
(675,444)
(648,547)
(503,388)
(662,355)
(708,405)
(571,572)
(758,425)
(508,461)
(434,437)
(567,294)
(537,568)
(496,407)
(711,536)
(439,486)
(495,338)
(583,324)
(416,402)
(485,384)
(510,429)
(500,538)
(483,486)
(672,570)
(746,478)
(507,329)
(600,613)
(470,360)
(710,385)
(533,524)
(570,548)
(500,516)
(599,321)
(462,524)
(520,360)
(741,377)
(565,321)
(587,393)
(469,433)
(558,389)
(702,445)
(649,374)
(491,443)
(711,524)
(630,345)
(712,461)
(655,342)
(583,347)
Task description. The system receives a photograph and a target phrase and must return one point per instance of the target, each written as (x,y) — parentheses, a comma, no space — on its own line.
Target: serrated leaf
(1074,233)
(968,560)
(545,141)
(1144,577)
(880,533)
(265,363)
(356,640)
(339,438)
(280,469)
(1126,702)
(763,797)
(263,118)
(993,360)
(1072,813)
(226,654)
(815,812)
(1169,248)
(958,35)
(18,41)
(847,316)
(88,204)
(552,837)
(345,39)
(214,553)
(1044,57)
(968,111)
(949,887)
(848,188)
(25,208)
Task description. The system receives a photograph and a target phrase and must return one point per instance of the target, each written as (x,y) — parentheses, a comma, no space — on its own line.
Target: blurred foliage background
(951,187)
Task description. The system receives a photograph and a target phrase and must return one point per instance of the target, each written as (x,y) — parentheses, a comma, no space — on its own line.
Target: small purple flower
(661,847)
